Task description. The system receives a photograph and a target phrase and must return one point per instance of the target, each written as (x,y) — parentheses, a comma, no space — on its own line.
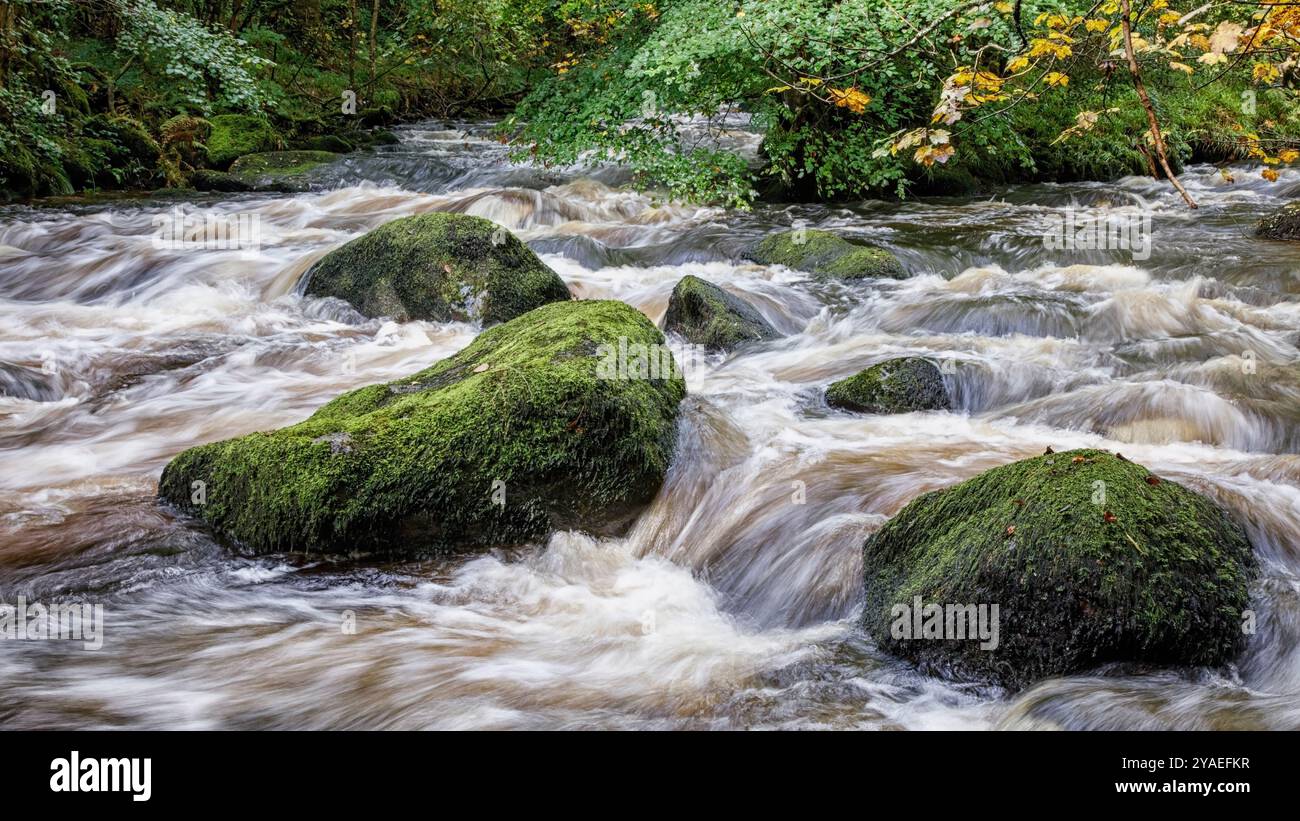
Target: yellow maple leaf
(1269,174)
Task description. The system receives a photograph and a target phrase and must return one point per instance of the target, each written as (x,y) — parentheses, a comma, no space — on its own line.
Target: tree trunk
(374,28)
(1153,124)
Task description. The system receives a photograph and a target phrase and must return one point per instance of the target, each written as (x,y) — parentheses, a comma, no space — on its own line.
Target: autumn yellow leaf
(1056,78)
(1288,155)
(1269,174)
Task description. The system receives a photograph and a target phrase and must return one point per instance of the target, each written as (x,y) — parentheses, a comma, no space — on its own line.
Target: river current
(732,601)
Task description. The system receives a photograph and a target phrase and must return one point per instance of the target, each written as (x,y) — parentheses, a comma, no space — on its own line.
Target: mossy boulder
(1283,223)
(437,266)
(279,170)
(706,315)
(234,135)
(522,432)
(826,255)
(1089,557)
(205,179)
(896,386)
(327,142)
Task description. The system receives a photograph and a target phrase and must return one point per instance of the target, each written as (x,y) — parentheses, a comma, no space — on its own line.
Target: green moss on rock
(706,315)
(279,170)
(205,179)
(234,135)
(438,266)
(896,386)
(1283,223)
(413,466)
(827,255)
(1089,558)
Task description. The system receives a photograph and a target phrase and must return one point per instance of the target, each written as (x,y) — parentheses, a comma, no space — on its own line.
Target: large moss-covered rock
(520,433)
(279,170)
(440,267)
(1283,223)
(706,315)
(896,386)
(1089,558)
(234,135)
(826,255)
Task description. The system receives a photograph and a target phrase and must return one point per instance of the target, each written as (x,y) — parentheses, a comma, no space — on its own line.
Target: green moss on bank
(234,135)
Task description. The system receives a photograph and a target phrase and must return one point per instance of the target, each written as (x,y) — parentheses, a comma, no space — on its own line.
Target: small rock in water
(705,314)
(895,386)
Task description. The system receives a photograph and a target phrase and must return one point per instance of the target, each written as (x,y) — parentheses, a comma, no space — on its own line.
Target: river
(732,601)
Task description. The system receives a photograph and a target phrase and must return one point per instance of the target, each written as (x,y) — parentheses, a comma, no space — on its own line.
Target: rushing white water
(731,603)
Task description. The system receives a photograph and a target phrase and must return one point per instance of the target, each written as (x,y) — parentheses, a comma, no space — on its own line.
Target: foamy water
(732,601)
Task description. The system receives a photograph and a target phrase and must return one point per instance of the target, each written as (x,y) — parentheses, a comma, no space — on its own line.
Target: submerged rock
(437,266)
(279,170)
(826,255)
(705,314)
(1088,557)
(1284,223)
(524,431)
(896,386)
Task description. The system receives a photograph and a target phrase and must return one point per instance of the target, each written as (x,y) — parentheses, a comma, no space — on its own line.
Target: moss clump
(827,255)
(440,267)
(127,147)
(279,169)
(413,466)
(234,135)
(327,142)
(1089,558)
(205,179)
(1283,223)
(896,386)
(706,315)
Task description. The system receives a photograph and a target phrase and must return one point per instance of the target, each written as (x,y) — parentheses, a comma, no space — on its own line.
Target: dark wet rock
(896,386)
(705,314)
(205,179)
(826,255)
(525,431)
(437,266)
(1089,558)
(279,170)
(1284,223)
